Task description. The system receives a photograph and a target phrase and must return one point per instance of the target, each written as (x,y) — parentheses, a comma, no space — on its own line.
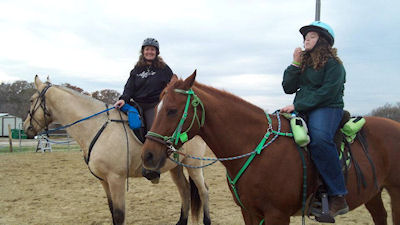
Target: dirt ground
(57,188)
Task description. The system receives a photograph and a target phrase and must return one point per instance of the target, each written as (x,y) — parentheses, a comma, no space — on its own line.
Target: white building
(5,119)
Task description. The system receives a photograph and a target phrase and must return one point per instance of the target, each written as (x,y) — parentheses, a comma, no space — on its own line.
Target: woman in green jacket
(317,77)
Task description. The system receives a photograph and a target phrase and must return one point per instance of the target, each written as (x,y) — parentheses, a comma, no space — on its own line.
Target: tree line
(15,99)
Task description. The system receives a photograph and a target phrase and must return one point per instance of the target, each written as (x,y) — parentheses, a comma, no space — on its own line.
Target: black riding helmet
(151,42)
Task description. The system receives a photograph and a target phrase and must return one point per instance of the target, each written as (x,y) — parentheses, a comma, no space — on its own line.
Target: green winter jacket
(316,88)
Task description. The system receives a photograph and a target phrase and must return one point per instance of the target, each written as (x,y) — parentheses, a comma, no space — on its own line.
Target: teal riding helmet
(320,27)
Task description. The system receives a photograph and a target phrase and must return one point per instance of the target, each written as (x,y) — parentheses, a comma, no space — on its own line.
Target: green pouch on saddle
(300,131)
(351,127)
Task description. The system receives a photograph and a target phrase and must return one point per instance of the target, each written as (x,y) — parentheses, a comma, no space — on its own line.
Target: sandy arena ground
(57,188)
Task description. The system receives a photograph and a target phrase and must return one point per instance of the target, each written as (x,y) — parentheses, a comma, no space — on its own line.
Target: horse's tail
(195,200)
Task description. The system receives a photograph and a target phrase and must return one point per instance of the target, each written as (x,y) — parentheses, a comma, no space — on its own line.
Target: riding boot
(337,205)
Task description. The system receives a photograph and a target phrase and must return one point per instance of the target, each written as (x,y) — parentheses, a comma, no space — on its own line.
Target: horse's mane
(79,94)
(212,91)
(225,94)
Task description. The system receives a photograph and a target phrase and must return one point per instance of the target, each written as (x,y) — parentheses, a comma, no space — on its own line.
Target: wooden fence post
(10,137)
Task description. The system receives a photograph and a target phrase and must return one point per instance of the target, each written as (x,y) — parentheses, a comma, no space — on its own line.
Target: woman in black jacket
(147,79)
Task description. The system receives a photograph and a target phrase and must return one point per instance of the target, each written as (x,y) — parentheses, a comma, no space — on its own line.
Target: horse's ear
(190,80)
(48,79)
(174,78)
(38,83)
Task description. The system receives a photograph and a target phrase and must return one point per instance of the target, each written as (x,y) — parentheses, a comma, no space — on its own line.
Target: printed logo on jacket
(145,74)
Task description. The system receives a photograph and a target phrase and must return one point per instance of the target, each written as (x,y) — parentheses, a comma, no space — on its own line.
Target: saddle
(139,129)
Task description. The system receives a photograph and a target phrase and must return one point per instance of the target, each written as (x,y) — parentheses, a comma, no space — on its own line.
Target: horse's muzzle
(30,132)
(150,161)
(150,174)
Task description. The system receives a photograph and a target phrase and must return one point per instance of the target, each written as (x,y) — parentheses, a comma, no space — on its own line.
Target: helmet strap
(316,44)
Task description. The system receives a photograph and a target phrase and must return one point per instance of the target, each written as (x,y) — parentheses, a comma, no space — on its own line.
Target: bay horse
(270,189)
(108,159)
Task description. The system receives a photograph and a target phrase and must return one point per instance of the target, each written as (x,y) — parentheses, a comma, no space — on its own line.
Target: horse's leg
(377,210)
(198,178)
(184,191)
(394,192)
(272,217)
(248,219)
(108,194)
(117,190)
(251,219)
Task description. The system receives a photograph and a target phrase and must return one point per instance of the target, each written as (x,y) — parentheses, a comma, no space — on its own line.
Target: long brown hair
(318,57)
(158,62)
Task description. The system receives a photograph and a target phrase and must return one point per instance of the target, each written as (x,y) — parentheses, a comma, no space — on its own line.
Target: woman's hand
(119,104)
(288,109)
(297,55)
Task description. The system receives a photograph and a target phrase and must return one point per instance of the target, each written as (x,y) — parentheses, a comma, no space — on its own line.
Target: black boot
(338,205)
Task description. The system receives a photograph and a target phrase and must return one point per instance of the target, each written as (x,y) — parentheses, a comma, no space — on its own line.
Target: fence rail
(60,141)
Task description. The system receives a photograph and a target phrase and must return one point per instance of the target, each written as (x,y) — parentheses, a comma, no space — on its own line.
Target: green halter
(178,134)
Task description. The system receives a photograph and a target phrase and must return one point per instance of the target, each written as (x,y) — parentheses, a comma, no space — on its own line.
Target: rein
(42,104)
(78,121)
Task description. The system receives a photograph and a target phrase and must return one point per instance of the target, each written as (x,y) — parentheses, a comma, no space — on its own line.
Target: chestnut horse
(270,190)
(109,156)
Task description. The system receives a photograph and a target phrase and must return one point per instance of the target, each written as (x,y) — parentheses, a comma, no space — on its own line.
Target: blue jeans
(322,125)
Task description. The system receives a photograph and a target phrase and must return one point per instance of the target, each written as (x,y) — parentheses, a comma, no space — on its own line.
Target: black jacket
(146,83)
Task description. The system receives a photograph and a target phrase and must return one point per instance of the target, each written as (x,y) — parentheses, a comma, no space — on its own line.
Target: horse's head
(179,117)
(39,116)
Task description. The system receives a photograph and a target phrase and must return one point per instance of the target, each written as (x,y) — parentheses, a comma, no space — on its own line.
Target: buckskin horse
(270,189)
(108,159)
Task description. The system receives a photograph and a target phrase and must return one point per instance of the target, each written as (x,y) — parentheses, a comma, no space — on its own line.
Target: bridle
(178,135)
(40,102)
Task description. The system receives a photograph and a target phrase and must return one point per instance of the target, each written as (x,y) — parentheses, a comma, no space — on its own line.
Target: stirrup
(320,209)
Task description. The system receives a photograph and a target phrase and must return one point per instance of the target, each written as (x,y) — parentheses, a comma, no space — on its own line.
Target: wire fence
(59,141)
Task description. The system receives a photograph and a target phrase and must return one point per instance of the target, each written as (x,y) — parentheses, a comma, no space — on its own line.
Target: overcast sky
(240,46)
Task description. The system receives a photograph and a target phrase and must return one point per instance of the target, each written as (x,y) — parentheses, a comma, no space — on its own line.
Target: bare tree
(15,97)
(76,88)
(107,96)
(388,111)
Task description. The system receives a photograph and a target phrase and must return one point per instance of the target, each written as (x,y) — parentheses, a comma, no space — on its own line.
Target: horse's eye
(171,112)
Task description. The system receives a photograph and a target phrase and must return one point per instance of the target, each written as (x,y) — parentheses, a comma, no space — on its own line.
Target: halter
(36,106)
(169,141)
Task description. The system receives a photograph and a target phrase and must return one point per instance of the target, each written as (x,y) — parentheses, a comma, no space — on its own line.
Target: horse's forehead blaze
(160,105)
